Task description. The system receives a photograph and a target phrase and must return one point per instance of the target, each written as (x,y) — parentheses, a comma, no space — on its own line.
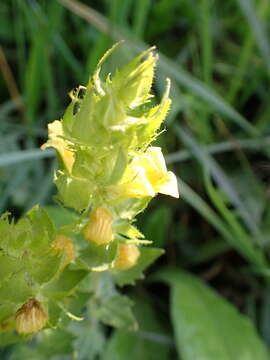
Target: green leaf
(116,312)
(65,284)
(89,341)
(60,216)
(50,343)
(9,338)
(8,266)
(44,268)
(55,342)
(206,326)
(149,343)
(7,310)
(147,257)
(17,289)
(99,255)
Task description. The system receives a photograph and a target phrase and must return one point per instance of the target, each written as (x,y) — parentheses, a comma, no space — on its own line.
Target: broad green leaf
(206,326)
(8,266)
(65,284)
(7,310)
(17,289)
(55,342)
(147,257)
(44,268)
(117,312)
(149,343)
(60,216)
(9,338)
(90,340)
(50,343)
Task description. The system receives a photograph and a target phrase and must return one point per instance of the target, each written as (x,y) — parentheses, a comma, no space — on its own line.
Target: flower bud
(99,226)
(63,243)
(127,257)
(31,317)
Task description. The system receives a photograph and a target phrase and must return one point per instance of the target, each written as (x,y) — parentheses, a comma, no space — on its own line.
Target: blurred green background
(217,141)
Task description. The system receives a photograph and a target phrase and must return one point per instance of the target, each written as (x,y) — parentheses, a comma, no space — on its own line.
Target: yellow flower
(56,141)
(146,175)
(127,257)
(63,243)
(31,317)
(99,227)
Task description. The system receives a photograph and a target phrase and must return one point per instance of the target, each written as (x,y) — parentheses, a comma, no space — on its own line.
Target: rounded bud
(31,317)
(63,243)
(99,227)
(127,257)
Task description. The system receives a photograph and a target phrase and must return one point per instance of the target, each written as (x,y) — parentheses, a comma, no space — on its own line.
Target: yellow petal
(161,180)
(135,184)
(55,140)
(168,185)
(155,163)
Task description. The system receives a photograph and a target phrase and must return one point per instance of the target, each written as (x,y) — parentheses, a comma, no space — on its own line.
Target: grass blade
(25,155)
(258,29)
(221,178)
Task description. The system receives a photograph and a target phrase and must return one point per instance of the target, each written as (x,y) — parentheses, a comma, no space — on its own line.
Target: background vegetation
(217,140)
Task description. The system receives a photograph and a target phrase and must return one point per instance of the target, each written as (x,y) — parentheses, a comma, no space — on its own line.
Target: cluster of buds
(106,163)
